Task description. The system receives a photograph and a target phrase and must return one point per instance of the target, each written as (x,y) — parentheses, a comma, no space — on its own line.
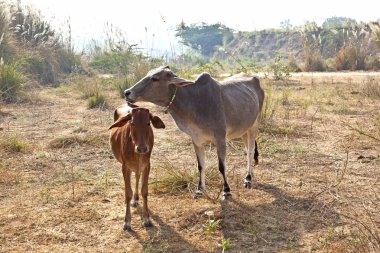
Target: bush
(350,58)
(314,62)
(97,101)
(280,70)
(292,64)
(13,143)
(10,82)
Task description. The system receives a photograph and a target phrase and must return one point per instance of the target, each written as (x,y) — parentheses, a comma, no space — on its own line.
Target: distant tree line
(340,43)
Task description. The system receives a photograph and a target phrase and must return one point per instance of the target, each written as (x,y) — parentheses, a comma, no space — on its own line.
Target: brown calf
(131,141)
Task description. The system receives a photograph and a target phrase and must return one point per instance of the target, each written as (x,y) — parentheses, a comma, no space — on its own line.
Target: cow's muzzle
(127,94)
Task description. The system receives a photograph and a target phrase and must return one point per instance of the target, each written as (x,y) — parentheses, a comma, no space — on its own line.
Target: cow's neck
(182,108)
(196,102)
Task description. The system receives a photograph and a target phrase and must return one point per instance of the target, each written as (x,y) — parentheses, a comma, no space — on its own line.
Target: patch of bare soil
(316,187)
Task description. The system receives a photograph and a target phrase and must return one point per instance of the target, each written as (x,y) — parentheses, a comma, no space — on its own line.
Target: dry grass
(316,187)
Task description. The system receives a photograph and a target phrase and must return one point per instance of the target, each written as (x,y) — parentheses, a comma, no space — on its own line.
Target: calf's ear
(121,122)
(157,122)
(178,81)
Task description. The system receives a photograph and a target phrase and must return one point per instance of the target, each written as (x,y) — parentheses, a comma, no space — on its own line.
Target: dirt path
(64,191)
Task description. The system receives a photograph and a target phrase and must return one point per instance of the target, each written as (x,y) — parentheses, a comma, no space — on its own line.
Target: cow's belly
(198,135)
(237,132)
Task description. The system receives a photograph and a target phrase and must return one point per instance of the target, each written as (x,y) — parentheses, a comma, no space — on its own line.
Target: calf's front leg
(136,193)
(128,197)
(144,194)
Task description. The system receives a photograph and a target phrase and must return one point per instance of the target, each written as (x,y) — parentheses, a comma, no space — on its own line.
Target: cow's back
(242,99)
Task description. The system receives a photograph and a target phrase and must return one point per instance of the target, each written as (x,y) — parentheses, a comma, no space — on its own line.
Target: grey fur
(208,111)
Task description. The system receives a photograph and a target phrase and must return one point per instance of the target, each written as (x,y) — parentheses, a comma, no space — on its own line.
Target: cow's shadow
(163,238)
(279,224)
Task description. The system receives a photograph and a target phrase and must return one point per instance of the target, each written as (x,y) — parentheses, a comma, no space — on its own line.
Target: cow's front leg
(200,152)
(222,149)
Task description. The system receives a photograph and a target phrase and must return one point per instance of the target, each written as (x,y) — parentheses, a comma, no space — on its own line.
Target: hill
(339,44)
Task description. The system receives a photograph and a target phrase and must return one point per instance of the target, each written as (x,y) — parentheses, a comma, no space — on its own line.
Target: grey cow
(208,111)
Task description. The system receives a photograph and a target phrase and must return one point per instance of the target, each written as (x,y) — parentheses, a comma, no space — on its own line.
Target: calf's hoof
(127,227)
(248,184)
(135,203)
(227,195)
(148,224)
(198,194)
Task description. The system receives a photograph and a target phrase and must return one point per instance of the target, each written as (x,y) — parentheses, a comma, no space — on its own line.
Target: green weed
(10,82)
(13,143)
(97,101)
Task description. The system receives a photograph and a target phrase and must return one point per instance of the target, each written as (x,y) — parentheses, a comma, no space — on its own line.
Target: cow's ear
(121,122)
(157,122)
(180,81)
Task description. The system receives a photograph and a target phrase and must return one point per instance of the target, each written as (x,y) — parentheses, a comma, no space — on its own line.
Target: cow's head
(156,87)
(139,120)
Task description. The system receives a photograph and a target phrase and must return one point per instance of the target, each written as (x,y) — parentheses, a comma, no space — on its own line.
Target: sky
(151,23)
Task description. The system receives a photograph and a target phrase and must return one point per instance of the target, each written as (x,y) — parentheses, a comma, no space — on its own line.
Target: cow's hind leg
(256,155)
(252,152)
(200,152)
(222,149)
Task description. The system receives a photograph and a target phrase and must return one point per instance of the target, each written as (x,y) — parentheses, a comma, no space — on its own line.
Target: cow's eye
(155,79)
(148,123)
(132,123)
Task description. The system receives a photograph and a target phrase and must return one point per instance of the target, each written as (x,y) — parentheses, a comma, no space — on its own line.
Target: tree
(338,23)
(286,25)
(204,37)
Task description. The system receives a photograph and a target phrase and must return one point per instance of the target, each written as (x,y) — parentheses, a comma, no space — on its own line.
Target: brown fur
(132,140)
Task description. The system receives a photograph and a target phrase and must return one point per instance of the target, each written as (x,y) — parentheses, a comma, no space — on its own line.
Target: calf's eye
(155,79)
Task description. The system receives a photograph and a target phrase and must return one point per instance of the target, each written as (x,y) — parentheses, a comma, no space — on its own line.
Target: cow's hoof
(198,194)
(148,224)
(127,227)
(248,184)
(135,203)
(227,195)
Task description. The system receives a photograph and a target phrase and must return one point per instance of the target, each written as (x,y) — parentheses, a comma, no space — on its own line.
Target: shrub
(292,64)
(13,143)
(89,88)
(10,82)
(97,101)
(350,58)
(280,70)
(7,45)
(314,62)
(270,105)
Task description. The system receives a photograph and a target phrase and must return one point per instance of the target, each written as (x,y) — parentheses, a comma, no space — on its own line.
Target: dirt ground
(316,188)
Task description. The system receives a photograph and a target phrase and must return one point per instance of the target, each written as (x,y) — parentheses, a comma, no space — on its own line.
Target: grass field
(316,188)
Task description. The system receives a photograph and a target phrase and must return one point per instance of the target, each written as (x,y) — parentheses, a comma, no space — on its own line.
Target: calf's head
(139,120)
(156,87)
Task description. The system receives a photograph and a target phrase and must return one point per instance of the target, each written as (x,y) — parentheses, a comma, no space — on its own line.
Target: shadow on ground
(277,225)
(163,238)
